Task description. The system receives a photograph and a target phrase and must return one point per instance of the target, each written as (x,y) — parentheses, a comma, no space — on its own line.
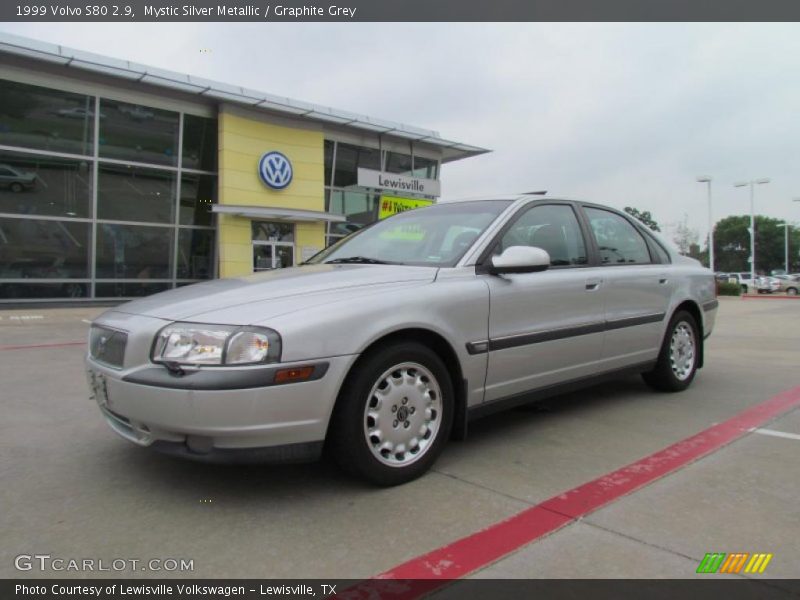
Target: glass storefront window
(199,143)
(21,291)
(44,249)
(195,254)
(42,185)
(138,133)
(198,194)
(349,159)
(360,209)
(46,239)
(424,167)
(129,290)
(328,161)
(46,119)
(271,231)
(398,163)
(127,193)
(134,252)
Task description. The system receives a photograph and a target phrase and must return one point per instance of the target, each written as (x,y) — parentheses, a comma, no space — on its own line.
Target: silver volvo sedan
(384,345)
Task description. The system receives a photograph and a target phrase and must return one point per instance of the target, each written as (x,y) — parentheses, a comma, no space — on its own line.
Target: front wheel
(791,291)
(394,414)
(678,357)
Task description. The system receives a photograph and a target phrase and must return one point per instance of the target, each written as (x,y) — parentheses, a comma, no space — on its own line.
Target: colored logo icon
(720,562)
(275,170)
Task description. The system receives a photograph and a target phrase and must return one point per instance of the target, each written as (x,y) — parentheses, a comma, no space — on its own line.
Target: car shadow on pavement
(615,392)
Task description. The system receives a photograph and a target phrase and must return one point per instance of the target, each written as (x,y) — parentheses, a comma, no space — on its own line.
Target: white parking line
(780,434)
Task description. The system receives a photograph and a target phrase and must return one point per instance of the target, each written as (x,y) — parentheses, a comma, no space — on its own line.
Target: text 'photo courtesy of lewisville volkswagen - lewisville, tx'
(480,316)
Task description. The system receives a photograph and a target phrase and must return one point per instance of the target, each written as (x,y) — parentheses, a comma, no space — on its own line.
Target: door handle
(663,280)
(592,285)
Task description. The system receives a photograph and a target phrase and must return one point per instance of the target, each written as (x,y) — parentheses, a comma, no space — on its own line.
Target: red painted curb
(769,297)
(32,346)
(431,571)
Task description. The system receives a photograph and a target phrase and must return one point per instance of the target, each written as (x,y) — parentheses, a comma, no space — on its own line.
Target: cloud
(626,114)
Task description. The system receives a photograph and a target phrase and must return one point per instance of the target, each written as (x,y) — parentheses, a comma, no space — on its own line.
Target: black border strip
(427,11)
(710,305)
(525,339)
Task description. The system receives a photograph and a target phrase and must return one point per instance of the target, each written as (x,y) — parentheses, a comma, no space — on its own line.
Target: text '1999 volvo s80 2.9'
(383,346)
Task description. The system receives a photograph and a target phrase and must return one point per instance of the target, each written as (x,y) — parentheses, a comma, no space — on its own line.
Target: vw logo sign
(275,170)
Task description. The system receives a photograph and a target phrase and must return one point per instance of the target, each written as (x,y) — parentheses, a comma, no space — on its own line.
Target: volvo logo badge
(275,170)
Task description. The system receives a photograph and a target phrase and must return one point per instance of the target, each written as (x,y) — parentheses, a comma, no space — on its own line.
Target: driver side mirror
(520,259)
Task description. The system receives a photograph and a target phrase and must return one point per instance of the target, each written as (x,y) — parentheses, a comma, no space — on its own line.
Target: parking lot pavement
(72,489)
(742,498)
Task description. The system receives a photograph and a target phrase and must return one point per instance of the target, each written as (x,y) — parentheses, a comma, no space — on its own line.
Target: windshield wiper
(360,260)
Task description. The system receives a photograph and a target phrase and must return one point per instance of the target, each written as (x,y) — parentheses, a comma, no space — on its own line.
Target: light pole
(785,247)
(707,180)
(752,183)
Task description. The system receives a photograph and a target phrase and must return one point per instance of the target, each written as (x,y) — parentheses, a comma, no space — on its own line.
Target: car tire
(16,187)
(677,360)
(393,415)
(744,289)
(791,291)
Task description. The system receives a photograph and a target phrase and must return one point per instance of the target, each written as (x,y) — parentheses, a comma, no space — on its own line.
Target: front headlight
(197,344)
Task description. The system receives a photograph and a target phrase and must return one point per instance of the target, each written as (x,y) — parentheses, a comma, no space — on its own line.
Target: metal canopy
(189,84)
(276,214)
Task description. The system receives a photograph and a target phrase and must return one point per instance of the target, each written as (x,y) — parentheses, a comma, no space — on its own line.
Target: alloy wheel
(403,414)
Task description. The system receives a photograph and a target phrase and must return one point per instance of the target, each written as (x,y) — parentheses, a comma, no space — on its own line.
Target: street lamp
(707,180)
(752,183)
(785,247)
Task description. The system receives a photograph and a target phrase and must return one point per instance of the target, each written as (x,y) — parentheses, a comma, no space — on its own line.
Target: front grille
(107,345)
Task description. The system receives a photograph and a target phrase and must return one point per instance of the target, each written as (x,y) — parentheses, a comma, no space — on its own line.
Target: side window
(661,254)
(617,240)
(552,227)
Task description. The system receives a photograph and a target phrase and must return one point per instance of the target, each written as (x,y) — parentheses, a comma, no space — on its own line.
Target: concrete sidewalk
(742,498)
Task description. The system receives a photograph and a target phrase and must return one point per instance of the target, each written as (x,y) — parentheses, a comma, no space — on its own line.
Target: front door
(273,245)
(546,327)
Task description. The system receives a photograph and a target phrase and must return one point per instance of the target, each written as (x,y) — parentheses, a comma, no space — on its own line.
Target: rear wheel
(393,415)
(677,360)
(16,187)
(791,291)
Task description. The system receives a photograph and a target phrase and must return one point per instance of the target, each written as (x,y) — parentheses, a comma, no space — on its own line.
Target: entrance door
(273,245)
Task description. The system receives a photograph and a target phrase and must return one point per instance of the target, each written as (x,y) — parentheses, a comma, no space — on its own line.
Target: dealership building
(120,180)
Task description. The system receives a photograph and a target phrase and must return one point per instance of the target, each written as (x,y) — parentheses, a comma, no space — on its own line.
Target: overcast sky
(622,114)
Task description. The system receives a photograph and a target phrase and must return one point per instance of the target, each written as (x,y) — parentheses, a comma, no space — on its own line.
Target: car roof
(516,196)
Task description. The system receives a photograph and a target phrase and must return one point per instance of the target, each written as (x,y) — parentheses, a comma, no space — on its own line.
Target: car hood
(253,298)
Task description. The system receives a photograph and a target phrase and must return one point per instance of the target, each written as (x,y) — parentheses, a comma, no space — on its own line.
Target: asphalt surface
(72,489)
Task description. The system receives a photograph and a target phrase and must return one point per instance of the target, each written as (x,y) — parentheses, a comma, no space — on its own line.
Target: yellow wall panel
(242,143)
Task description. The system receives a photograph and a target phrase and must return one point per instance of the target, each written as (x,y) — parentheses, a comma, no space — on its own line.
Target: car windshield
(436,236)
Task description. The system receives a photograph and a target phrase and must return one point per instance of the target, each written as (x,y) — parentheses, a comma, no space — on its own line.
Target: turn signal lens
(247,347)
(295,374)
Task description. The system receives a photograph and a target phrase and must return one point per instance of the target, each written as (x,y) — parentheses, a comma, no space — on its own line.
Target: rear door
(638,287)
(547,327)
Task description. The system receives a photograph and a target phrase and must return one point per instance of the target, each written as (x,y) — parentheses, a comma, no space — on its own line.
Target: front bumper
(221,414)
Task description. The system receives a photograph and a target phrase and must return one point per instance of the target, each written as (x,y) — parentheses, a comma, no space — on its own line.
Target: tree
(644,216)
(686,238)
(732,244)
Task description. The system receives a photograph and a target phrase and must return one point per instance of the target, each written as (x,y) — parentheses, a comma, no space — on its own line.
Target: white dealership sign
(399,183)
